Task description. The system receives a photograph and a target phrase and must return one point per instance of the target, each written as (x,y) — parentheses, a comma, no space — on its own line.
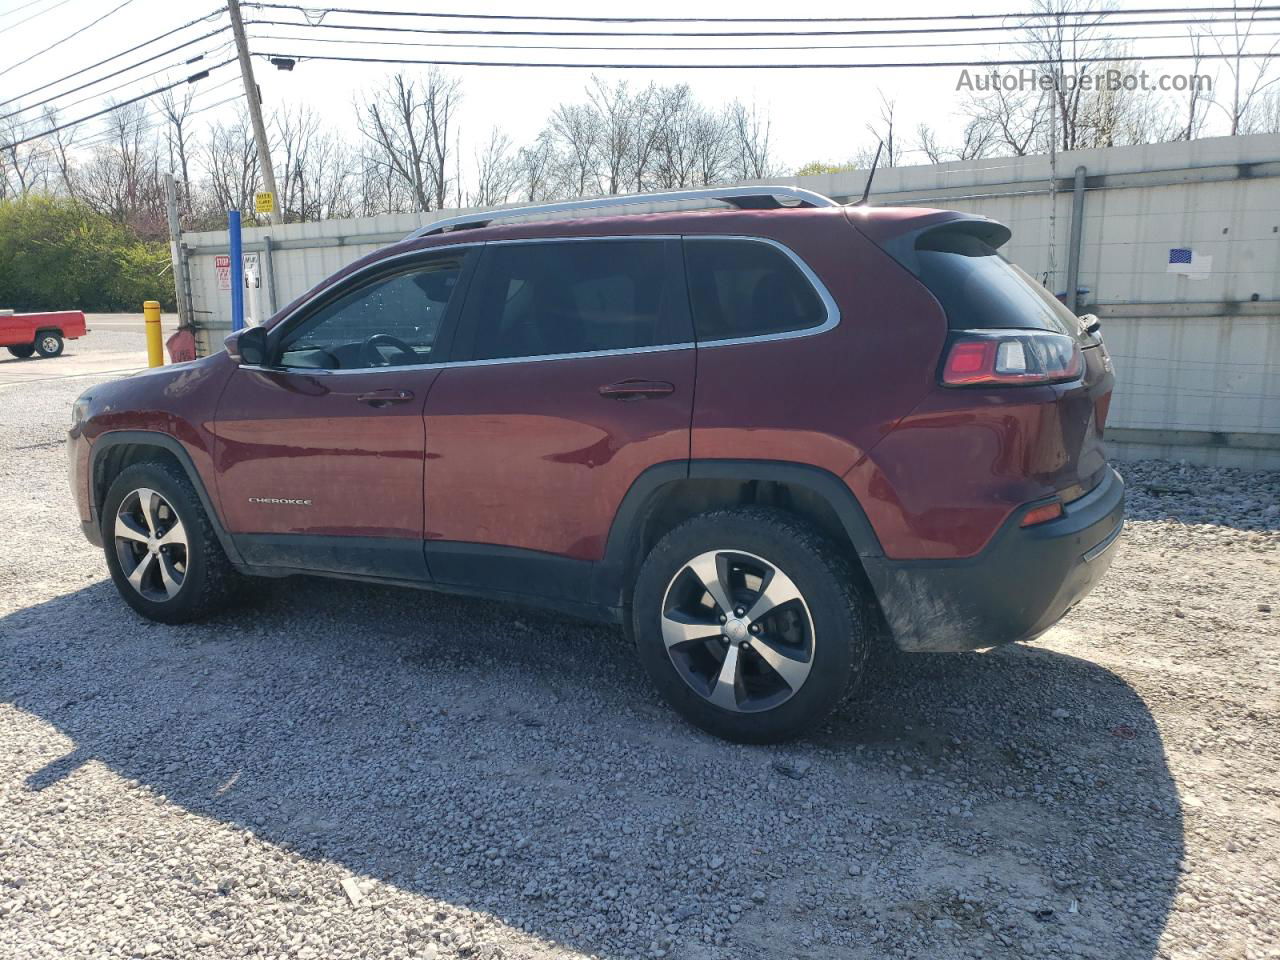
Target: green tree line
(57,254)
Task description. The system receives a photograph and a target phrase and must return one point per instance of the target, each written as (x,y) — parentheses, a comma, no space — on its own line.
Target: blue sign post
(237,271)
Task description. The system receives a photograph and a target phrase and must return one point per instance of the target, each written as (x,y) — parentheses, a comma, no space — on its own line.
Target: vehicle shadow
(471,755)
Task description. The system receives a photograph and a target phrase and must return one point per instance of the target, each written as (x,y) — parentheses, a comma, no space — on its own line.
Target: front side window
(572,296)
(390,321)
(745,288)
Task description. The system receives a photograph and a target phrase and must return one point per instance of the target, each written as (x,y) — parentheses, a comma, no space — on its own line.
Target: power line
(92,140)
(319,13)
(763,66)
(20,7)
(117,56)
(878,45)
(70,36)
(38,13)
(1002,28)
(110,76)
(116,106)
(155,73)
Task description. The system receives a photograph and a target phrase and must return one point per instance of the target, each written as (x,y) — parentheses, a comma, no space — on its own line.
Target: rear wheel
(23,350)
(48,343)
(748,622)
(161,549)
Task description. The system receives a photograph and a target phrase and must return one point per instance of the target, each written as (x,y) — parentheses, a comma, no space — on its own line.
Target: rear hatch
(1008,333)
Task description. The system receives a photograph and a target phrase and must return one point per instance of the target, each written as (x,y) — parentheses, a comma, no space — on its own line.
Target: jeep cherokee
(754,437)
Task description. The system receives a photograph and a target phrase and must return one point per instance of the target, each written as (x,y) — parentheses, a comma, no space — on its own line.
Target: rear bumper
(1020,585)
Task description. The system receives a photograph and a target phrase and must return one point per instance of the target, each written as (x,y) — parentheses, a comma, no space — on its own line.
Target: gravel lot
(345,771)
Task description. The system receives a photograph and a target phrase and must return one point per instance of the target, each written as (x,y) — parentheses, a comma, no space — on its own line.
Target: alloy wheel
(738,631)
(49,344)
(151,545)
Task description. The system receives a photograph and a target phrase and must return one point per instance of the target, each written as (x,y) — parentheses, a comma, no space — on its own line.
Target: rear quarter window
(747,288)
(979,289)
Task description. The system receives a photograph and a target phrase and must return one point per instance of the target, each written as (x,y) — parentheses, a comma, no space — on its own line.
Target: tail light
(1010,358)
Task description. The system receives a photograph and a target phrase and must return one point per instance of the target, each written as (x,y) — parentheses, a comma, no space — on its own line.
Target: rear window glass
(744,288)
(979,289)
(580,296)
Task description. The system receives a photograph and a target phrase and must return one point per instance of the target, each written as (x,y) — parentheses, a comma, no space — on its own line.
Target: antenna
(866,190)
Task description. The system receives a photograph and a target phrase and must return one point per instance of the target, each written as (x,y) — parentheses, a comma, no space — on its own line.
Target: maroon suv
(755,437)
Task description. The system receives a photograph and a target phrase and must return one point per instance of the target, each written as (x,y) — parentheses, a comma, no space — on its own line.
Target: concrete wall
(1198,360)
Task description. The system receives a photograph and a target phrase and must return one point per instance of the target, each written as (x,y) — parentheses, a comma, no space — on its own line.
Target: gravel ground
(345,771)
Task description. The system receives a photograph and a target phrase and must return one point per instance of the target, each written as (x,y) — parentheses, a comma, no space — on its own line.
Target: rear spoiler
(898,238)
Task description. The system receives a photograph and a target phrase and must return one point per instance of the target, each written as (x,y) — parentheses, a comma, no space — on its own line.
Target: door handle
(381,398)
(636,389)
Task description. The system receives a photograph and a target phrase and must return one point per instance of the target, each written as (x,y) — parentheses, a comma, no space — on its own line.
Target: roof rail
(744,198)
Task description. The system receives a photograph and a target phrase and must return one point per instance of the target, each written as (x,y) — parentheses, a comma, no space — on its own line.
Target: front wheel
(49,344)
(23,350)
(161,548)
(749,623)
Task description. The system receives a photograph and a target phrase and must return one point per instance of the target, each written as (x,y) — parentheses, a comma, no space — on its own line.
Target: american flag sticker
(1187,263)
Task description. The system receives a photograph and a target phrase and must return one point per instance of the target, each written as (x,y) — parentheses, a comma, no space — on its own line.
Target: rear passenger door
(574,372)
(761,381)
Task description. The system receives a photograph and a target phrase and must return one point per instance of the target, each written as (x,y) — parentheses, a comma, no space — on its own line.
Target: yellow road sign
(264,202)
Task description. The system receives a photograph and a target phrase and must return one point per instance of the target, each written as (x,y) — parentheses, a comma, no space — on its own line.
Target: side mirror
(248,347)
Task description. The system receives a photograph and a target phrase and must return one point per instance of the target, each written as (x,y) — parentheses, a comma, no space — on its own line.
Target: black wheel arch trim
(169,444)
(628,521)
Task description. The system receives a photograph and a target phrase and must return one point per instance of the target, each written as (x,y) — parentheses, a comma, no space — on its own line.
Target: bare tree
(410,127)
(231,166)
(976,143)
(615,131)
(927,143)
(60,143)
(712,145)
(177,111)
(20,163)
(885,132)
(498,171)
(392,119)
(441,99)
(535,168)
(1244,93)
(122,178)
(750,130)
(1198,98)
(577,133)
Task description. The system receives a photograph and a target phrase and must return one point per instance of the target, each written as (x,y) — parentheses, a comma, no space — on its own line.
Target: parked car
(39,333)
(753,437)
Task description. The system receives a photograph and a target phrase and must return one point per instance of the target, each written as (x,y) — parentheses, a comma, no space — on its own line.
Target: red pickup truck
(42,333)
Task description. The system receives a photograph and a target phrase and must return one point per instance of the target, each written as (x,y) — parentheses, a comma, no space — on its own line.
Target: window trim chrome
(820,288)
(828,302)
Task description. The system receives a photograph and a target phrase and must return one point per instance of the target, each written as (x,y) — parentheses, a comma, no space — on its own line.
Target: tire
(206,577)
(818,635)
(23,350)
(49,343)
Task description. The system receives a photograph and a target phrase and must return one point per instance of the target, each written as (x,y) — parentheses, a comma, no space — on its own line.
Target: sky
(816,114)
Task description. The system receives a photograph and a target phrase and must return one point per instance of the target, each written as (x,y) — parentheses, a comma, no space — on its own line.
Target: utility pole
(255,108)
(175,252)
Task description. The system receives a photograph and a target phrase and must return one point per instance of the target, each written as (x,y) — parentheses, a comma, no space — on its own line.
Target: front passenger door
(320,453)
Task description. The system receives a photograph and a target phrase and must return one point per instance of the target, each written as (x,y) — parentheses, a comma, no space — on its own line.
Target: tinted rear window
(745,288)
(579,296)
(979,289)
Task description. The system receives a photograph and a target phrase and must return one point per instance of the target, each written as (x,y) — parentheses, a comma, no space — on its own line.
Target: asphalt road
(114,346)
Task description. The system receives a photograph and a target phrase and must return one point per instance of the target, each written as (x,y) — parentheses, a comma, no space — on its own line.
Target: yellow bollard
(155,343)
